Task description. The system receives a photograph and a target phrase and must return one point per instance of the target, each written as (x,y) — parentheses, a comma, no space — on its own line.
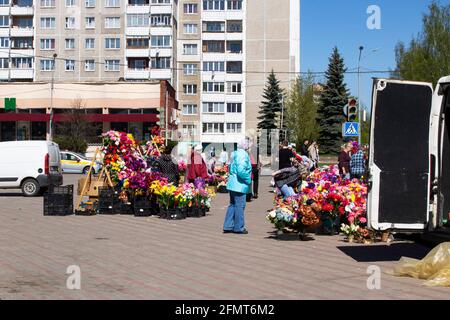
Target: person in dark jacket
(285,156)
(304,148)
(288,179)
(168,167)
(344,160)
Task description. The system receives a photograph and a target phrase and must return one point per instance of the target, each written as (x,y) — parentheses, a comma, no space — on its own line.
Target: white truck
(409,159)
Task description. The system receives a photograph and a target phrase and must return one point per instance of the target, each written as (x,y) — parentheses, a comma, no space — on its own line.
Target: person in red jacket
(196,167)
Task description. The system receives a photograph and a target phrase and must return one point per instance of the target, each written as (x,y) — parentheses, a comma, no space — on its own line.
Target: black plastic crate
(173,214)
(123,208)
(66,190)
(195,212)
(143,206)
(62,207)
(107,198)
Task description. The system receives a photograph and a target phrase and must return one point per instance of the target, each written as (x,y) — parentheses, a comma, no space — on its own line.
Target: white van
(30,165)
(410,157)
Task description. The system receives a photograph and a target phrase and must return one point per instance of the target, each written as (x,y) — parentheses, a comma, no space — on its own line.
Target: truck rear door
(399,160)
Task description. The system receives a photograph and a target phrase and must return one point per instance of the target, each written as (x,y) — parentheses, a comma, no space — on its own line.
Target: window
(137,20)
(70,3)
(161,1)
(213,107)
(234,4)
(189,129)
(89,43)
(234,26)
(190,89)
(213,128)
(112,22)
(90,23)
(160,63)
(112,3)
(234,46)
(47,65)
(112,65)
(138,63)
(137,43)
(212,26)
(160,41)
(190,49)
(4,63)
(214,46)
(70,22)
(234,107)
(48,23)
(190,8)
(89,65)
(190,28)
(213,4)
(4,42)
(4,21)
(213,87)
(234,127)
(189,109)
(89,3)
(218,66)
(70,65)
(112,43)
(234,67)
(47,3)
(234,87)
(22,43)
(22,63)
(189,69)
(161,20)
(70,44)
(47,44)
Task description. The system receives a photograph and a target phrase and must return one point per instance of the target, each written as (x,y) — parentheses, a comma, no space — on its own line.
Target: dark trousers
(255,181)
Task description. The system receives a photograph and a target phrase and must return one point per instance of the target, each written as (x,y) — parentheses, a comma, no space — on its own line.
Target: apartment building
(226,49)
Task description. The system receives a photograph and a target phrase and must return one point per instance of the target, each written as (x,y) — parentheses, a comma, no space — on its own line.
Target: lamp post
(361,48)
(282,112)
(51,98)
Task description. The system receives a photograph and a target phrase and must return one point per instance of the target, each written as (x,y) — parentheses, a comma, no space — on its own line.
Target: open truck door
(399,160)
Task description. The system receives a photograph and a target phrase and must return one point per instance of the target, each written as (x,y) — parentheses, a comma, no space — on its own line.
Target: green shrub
(74,144)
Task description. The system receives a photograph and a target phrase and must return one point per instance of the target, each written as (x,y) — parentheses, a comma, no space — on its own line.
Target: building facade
(217,54)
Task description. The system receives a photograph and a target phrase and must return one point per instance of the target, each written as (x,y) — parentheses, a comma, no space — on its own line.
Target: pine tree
(272,104)
(333,99)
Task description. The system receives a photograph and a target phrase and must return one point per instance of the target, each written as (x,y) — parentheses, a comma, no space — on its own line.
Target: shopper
(288,179)
(357,163)
(313,154)
(168,166)
(196,167)
(304,148)
(212,165)
(285,156)
(223,158)
(344,160)
(239,182)
(256,169)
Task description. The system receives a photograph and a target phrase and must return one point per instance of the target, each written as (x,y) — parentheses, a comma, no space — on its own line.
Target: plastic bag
(435,267)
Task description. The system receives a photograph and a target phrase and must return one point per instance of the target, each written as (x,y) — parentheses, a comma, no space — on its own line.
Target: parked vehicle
(410,157)
(30,165)
(72,162)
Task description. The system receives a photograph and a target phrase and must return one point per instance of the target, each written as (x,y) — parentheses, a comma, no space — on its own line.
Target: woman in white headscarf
(238,185)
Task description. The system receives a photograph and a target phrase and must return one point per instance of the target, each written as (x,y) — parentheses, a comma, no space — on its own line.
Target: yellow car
(72,162)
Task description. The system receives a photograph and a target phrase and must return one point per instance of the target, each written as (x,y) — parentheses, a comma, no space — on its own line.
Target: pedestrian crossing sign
(350,129)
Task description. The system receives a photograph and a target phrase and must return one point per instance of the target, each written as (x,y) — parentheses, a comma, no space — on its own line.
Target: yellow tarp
(435,267)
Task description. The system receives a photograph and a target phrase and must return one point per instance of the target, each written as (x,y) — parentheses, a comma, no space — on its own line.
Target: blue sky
(342,23)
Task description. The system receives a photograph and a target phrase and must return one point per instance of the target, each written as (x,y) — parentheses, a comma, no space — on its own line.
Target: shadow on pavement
(288,237)
(12,194)
(393,252)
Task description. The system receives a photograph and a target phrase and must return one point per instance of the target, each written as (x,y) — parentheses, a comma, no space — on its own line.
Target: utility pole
(51,98)
(361,48)
(282,112)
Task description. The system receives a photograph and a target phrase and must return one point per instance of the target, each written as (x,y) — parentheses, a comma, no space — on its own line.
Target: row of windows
(92,3)
(110,43)
(213,46)
(211,127)
(214,26)
(212,107)
(217,5)
(214,87)
(70,22)
(89,65)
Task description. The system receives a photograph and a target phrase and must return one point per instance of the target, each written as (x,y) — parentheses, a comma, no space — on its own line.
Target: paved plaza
(126,257)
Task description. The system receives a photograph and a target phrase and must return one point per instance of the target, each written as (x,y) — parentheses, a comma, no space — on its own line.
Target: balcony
(137,9)
(161,74)
(4,74)
(161,9)
(137,31)
(22,11)
(22,73)
(142,52)
(21,32)
(137,74)
(19,53)
(161,52)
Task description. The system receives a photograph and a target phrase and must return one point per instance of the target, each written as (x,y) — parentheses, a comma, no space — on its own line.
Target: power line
(202,70)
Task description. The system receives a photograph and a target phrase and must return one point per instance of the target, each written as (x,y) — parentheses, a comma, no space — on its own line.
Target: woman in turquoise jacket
(238,185)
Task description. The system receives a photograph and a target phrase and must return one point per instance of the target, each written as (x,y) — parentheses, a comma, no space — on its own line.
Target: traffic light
(352,111)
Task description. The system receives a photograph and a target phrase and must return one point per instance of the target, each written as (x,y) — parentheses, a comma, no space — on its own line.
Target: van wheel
(30,188)
(86,170)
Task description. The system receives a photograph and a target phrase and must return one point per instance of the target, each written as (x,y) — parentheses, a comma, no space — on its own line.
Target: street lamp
(282,111)
(51,98)
(361,48)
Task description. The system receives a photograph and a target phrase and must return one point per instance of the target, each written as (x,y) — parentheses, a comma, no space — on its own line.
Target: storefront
(129,107)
